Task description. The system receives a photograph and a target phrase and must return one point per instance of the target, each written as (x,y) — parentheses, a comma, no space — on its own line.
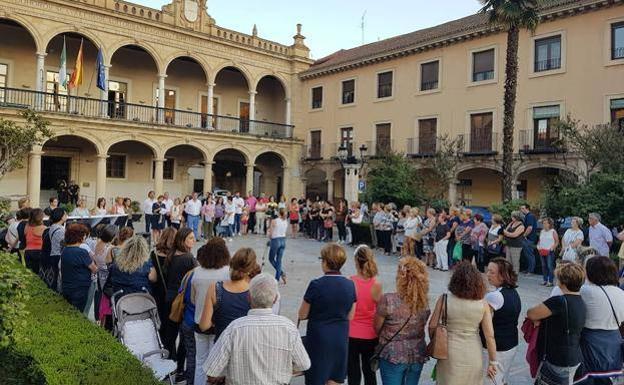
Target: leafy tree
(18,138)
(601,147)
(602,193)
(511,15)
(506,208)
(443,166)
(393,178)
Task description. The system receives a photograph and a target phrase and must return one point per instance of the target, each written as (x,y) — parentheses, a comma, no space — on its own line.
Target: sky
(331,25)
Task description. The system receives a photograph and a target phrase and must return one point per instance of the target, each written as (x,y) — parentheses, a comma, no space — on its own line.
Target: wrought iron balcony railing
(530,143)
(418,147)
(484,144)
(313,152)
(138,113)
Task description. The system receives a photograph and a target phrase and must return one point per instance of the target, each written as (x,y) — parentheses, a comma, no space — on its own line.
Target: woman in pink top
(362,335)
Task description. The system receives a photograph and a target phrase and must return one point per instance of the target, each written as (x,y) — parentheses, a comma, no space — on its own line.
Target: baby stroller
(136,324)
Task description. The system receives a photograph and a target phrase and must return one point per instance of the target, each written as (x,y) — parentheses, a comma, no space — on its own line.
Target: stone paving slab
(301,264)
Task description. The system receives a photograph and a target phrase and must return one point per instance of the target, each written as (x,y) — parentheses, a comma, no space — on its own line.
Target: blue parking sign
(361,185)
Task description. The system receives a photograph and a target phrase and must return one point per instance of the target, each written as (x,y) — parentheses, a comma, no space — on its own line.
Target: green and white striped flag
(63,69)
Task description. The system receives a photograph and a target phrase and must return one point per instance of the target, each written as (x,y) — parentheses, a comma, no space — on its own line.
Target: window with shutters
(617,113)
(427,136)
(346,139)
(481,133)
(384,84)
(167,169)
(483,65)
(315,145)
(383,142)
(4,74)
(545,131)
(317,98)
(348,91)
(429,73)
(617,41)
(547,54)
(116,166)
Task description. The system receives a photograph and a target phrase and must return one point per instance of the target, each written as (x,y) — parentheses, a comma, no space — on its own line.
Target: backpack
(46,247)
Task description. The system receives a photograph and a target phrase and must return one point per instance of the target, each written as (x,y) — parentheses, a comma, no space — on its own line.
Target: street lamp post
(352,166)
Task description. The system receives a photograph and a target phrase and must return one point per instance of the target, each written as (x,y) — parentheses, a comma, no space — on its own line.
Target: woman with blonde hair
(400,322)
(412,226)
(362,334)
(132,270)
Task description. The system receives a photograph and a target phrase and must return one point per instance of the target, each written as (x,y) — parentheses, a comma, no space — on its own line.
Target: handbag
(495,248)
(457,252)
(545,374)
(177,306)
(438,346)
(374,360)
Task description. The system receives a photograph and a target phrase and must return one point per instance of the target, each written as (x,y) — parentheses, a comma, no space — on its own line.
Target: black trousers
(360,353)
(467,253)
(342,230)
(384,239)
(251,225)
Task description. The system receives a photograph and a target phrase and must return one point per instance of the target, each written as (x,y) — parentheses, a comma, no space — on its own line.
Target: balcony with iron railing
(422,148)
(312,152)
(475,145)
(351,148)
(529,143)
(137,113)
(617,53)
(548,64)
(427,86)
(380,147)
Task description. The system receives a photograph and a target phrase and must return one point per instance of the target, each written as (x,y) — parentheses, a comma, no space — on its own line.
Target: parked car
(484,211)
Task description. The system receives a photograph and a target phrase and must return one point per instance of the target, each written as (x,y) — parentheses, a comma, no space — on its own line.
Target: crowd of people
(231,329)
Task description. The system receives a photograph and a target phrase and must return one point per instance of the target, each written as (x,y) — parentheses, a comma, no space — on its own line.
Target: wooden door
(243,115)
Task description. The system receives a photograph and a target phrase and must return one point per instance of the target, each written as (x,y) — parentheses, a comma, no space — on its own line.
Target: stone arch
(76,30)
(204,66)
(94,140)
(206,153)
(155,147)
(246,74)
(316,182)
(243,150)
(473,166)
(108,57)
(276,151)
(30,28)
(528,166)
(277,76)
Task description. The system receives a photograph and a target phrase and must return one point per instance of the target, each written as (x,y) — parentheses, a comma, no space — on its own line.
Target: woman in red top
(293,215)
(362,335)
(34,241)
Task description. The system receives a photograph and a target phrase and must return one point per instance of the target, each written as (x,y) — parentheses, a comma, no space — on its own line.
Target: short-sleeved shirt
(599,235)
(563,349)
(441,230)
(57,235)
(130,282)
(409,345)
(530,220)
(75,262)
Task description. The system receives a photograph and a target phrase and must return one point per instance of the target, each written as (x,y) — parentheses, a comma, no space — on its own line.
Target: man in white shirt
(192,210)
(147,210)
(600,237)
(230,216)
(239,203)
(260,348)
(168,205)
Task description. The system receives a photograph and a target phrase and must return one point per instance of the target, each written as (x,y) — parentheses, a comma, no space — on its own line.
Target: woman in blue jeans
(548,243)
(277,243)
(400,323)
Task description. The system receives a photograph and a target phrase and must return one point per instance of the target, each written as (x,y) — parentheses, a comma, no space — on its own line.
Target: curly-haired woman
(404,312)
(466,311)
(132,271)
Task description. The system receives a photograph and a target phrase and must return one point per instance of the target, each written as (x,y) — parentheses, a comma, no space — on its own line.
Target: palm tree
(511,15)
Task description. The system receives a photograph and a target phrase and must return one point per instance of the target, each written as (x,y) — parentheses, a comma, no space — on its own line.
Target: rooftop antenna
(362,25)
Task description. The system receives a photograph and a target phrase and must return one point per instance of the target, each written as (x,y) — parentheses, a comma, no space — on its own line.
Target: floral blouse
(409,345)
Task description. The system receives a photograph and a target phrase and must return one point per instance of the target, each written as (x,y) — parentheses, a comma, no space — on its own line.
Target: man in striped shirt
(261,348)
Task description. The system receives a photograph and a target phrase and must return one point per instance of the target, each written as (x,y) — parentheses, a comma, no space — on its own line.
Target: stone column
(208,177)
(158,176)
(104,94)
(40,80)
(515,194)
(330,190)
(452,192)
(100,184)
(252,111)
(249,179)
(161,98)
(33,186)
(287,118)
(286,182)
(210,109)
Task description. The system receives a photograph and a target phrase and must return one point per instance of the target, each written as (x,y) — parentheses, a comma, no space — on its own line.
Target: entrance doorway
(117,99)
(53,170)
(243,115)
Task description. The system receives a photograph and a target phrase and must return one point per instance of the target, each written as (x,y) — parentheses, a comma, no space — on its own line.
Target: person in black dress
(328,305)
(158,218)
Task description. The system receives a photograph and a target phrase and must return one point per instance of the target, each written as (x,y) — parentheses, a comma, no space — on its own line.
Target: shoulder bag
(438,346)
(374,360)
(177,306)
(546,375)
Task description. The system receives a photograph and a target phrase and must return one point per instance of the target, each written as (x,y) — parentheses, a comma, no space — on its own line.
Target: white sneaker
(229,239)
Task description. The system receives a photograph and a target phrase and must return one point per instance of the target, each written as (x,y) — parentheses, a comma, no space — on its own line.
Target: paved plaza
(301,264)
